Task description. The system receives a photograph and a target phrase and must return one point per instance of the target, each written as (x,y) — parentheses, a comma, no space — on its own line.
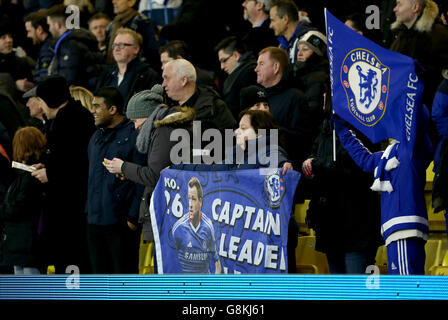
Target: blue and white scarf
(387,163)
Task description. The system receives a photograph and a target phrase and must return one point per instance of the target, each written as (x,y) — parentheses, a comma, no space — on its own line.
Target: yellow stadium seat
(436,221)
(433,250)
(439,271)
(308,260)
(51,270)
(300,215)
(429,177)
(381,259)
(146,260)
(445,260)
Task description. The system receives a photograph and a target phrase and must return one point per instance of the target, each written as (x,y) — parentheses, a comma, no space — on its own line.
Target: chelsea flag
(374,89)
(233,222)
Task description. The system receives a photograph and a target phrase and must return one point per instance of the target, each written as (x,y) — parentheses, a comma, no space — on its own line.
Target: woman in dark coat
(21,210)
(312,72)
(343,211)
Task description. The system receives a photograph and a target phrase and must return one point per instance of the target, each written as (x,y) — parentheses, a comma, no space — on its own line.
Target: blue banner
(374,89)
(231,222)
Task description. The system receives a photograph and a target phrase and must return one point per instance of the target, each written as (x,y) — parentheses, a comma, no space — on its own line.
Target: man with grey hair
(179,83)
(259,36)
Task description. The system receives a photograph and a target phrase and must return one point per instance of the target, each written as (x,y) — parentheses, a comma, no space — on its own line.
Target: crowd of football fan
(90,91)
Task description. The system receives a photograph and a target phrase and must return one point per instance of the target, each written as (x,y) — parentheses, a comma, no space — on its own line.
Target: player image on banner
(230,222)
(194,235)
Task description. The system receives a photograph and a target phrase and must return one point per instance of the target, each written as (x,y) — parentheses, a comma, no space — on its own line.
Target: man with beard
(37,30)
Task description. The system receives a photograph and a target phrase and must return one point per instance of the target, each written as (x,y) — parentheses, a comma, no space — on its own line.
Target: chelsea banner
(222,221)
(374,89)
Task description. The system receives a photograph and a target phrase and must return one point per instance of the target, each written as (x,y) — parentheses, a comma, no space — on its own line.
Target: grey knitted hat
(316,41)
(143,103)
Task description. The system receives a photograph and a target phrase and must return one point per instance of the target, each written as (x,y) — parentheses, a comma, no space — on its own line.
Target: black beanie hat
(252,95)
(5,26)
(53,90)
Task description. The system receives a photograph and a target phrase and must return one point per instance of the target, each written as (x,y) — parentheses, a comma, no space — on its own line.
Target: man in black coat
(129,75)
(65,173)
(17,67)
(76,54)
(288,104)
(240,66)
(259,36)
(179,83)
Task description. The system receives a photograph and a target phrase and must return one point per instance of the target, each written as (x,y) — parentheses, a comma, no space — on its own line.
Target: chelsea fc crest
(274,189)
(366,83)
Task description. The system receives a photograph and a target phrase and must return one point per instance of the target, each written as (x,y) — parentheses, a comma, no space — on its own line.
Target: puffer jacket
(77,58)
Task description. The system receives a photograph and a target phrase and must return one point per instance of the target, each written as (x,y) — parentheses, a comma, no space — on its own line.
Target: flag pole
(325,99)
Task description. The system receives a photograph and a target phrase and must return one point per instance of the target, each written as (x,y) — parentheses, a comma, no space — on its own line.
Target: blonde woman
(82,95)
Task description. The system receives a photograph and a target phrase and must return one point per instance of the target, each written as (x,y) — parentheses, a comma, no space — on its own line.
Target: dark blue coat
(111,200)
(439,115)
(46,54)
(77,58)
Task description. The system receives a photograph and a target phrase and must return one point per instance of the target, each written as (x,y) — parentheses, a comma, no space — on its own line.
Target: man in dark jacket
(112,203)
(76,54)
(259,36)
(284,16)
(65,173)
(37,30)
(287,104)
(130,75)
(240,66)
(179,82)
(17,67)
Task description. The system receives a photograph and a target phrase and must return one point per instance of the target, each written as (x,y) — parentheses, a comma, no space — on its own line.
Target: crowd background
(107,94)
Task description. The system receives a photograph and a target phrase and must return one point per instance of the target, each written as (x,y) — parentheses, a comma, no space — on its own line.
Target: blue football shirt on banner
(195,246)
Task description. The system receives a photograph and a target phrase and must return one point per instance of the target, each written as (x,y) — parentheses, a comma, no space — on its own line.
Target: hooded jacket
(158,158)
(427,42)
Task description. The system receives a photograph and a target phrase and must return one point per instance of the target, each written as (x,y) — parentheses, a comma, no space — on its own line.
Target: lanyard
(66,33)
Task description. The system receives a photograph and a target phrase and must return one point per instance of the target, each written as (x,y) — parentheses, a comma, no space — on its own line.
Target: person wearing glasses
(130,75)
(239,65)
